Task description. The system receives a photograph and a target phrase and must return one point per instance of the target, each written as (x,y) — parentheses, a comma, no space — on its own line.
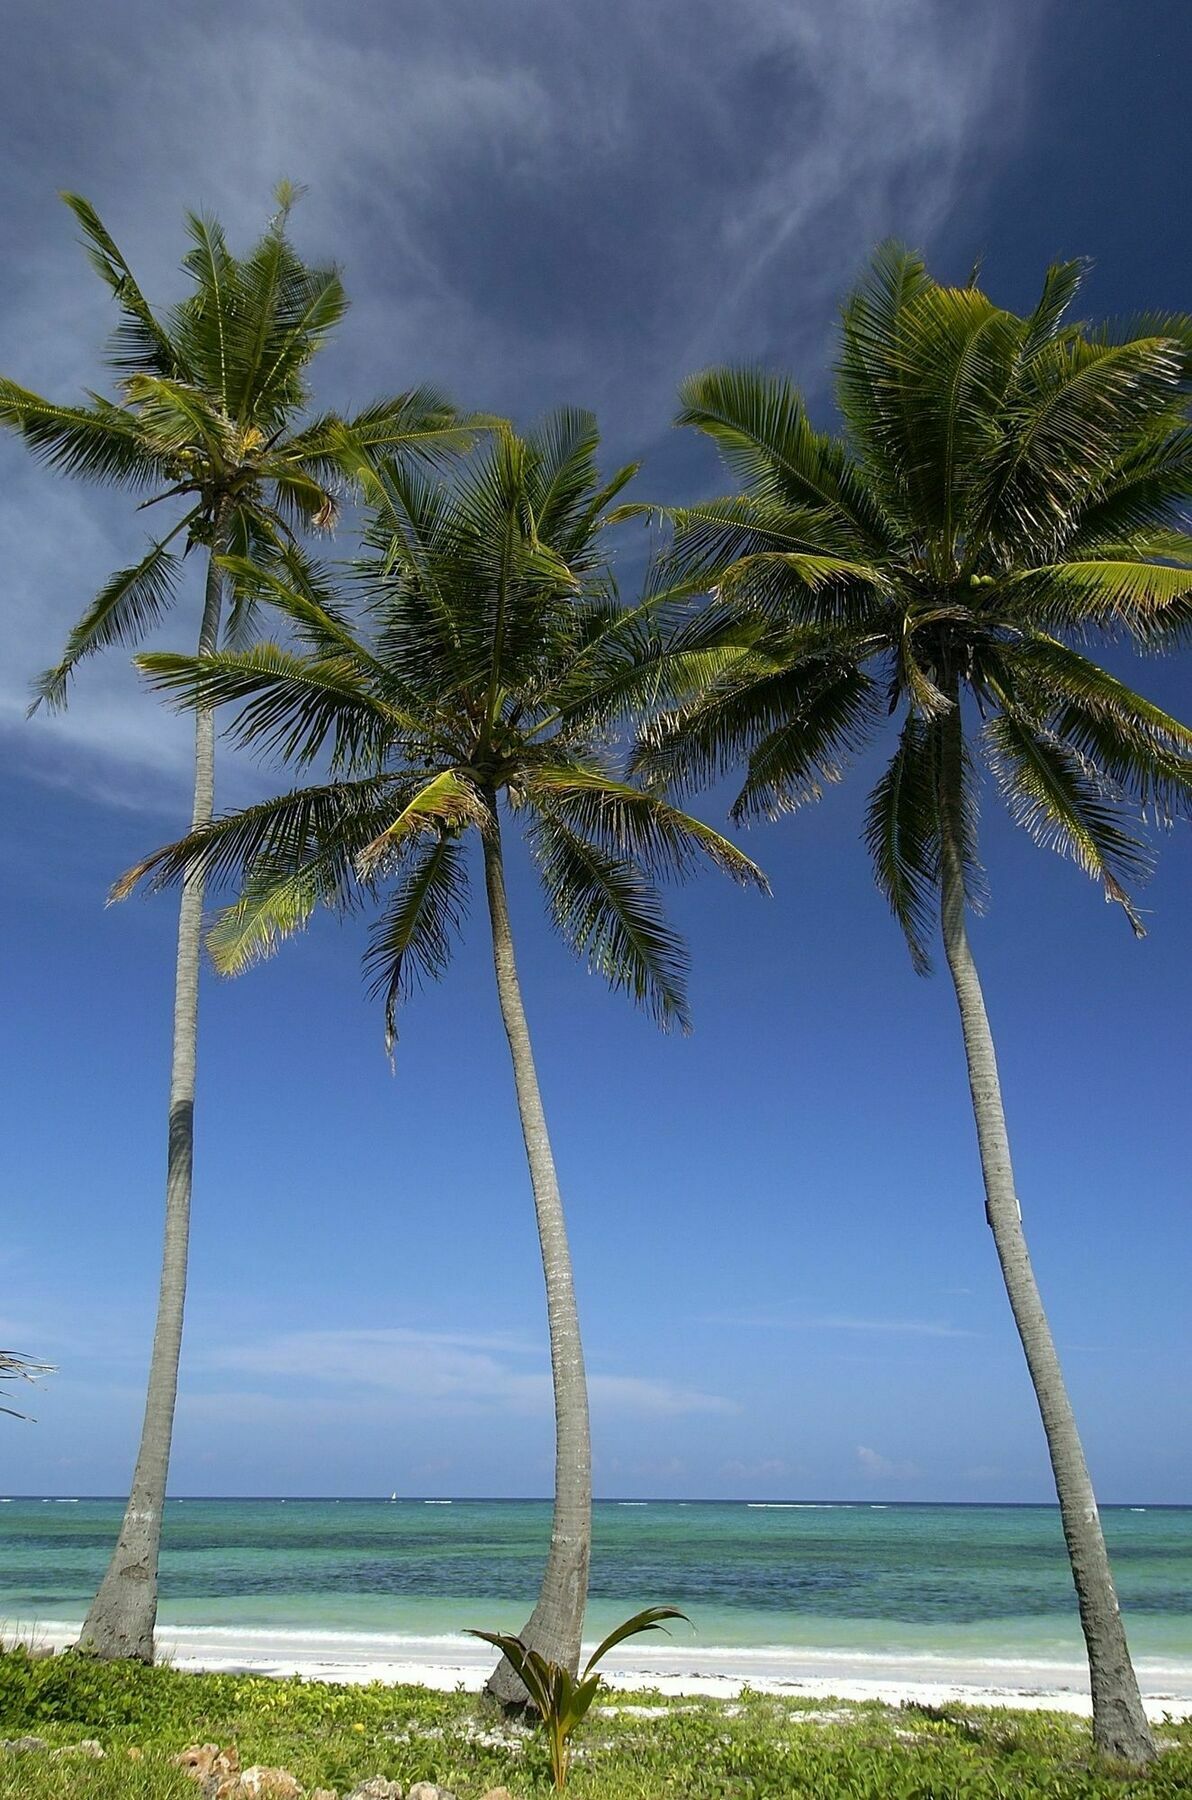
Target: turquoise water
(948,1580)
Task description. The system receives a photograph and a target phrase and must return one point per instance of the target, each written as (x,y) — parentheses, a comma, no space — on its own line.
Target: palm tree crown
(497,660)
(1007,489)
(211,397)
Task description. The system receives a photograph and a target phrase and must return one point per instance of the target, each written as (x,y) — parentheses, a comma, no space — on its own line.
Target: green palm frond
(1143,597)
(811,747)
(447,803)
(291,706)
(1080,414)
(413,938)
(1043,324)
(99,443)
(902,834)
(612,917)
(140,344)
(1057,796)
(760,426)
(635,824)
(128,605)
(277,898)
(279,834)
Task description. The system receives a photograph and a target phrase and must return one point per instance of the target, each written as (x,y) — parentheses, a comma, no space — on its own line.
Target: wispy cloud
(431,1371)
(876,1467)
(533,204)
(926,1328)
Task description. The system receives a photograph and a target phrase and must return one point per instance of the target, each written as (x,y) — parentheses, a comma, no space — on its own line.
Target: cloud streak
(533,204)
(437,1372)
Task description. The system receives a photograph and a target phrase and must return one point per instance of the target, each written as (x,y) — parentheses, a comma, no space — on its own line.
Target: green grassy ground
(637,1747)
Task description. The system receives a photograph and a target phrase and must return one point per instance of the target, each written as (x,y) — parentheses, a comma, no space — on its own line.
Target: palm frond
(612,917)
(415,934)
(101,442)
(277,900)
(446,803)
(825,725)
(902,836)
(1065,806)
(128,605)
(140,343)
(635,824)
(290,705)
(760,426)
(279,834)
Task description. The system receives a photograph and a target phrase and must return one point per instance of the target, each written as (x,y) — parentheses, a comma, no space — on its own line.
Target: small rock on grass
(379,1787)
(260,1783)
(426,1790)
(22,1746)
(497,1794)
(205,1761)
(86,1747)
(322,1794)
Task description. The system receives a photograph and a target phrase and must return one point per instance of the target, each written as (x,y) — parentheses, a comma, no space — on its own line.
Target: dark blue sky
(786,1280)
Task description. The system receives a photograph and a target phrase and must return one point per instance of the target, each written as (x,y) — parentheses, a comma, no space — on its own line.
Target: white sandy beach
(451,1662)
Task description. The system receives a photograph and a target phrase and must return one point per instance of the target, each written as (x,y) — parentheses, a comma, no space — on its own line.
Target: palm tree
(1006,489)
(484,694)
(212,414)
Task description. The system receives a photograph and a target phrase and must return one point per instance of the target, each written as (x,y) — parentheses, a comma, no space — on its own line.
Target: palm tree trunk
(122,1616)
(1120,1726)
(555,1627)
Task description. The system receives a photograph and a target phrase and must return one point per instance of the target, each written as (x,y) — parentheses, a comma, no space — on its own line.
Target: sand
(672,1668)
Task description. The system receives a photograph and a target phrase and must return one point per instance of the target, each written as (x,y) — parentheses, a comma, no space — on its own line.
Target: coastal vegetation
(637,1746)
(1005,493)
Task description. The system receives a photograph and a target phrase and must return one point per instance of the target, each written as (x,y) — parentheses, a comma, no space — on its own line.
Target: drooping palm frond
(611,916)
(1006,490)
(128,606)
(413,938)
(1065,803)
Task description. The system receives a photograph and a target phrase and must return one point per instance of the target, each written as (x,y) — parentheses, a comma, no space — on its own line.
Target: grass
(758,1748)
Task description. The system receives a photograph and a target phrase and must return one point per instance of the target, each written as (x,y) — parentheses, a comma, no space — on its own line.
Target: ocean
(971,1584)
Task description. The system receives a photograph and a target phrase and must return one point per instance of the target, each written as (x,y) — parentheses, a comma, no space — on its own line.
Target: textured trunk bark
(1120,1726)
(555,1627)
(122,1616)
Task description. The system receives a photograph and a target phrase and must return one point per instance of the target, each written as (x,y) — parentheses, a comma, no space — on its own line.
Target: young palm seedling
(562,1700)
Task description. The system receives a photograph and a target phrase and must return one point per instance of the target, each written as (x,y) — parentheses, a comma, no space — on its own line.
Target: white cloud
(876,1467)
(428,1371)
(533,204)
(930,1328)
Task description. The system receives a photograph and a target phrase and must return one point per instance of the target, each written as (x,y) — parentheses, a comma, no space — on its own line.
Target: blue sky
(786,1281)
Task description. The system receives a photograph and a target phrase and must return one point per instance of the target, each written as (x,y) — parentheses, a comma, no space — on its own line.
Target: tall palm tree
(484,694)
(212,414)
(1006,489)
